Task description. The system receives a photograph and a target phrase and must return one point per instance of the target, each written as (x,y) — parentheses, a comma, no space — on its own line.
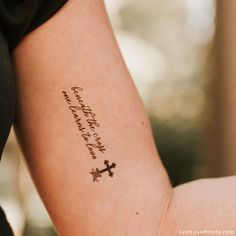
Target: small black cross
(98,173)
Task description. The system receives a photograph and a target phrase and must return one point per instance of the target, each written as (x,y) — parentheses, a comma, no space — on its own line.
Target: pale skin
(77,48)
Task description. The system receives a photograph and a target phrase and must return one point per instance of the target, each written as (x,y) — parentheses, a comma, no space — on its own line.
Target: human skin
(70,62)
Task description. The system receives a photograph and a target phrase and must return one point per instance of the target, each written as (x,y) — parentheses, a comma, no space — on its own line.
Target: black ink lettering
(91,152)
(77,118)
(88,125)
(66,97)
(100,147)
(86,136)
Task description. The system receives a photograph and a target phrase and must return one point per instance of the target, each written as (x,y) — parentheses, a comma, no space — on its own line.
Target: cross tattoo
(98,173)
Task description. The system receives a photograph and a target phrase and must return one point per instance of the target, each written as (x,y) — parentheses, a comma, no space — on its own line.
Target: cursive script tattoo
(86,121)
(88,127)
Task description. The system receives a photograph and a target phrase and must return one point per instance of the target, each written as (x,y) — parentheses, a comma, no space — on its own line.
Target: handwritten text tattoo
(88,127)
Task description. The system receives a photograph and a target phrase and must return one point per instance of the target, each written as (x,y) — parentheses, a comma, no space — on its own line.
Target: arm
(71,80)
(204,205)
(77,107)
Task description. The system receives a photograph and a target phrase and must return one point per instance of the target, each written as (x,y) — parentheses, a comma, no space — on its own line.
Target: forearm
(77,107)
